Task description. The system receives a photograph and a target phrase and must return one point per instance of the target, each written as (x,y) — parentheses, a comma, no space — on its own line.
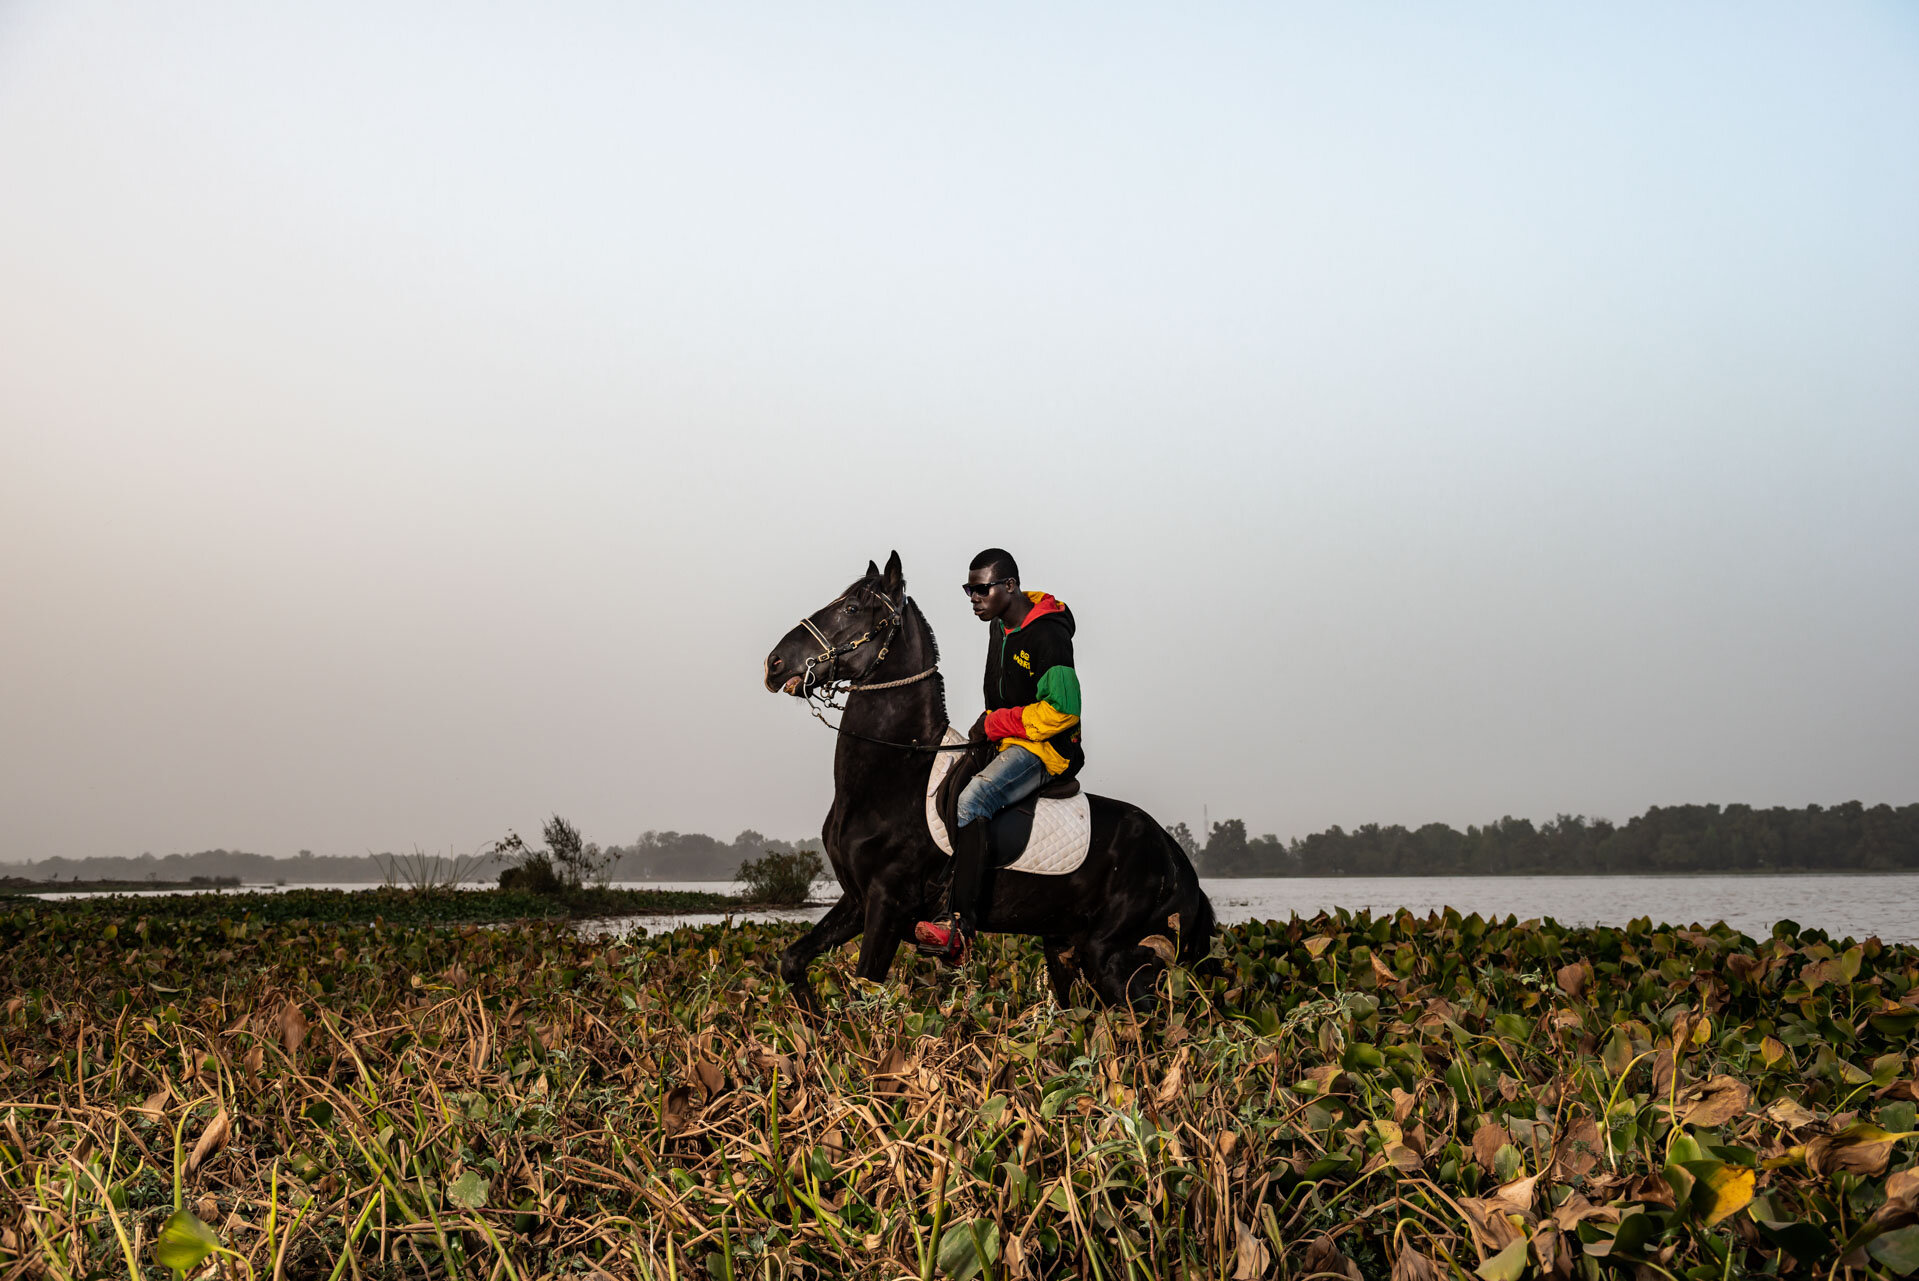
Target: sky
(416,420)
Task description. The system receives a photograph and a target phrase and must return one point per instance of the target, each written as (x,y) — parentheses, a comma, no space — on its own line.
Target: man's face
(989,607)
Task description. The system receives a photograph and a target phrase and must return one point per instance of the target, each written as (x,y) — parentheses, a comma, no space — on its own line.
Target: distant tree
(1184,835)
(575,861)
(1225,853)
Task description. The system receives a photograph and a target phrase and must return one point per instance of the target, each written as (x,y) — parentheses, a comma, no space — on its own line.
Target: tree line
(652,856)
(1679,838)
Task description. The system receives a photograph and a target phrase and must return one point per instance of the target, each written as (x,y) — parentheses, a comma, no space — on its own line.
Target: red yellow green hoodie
(1032,691)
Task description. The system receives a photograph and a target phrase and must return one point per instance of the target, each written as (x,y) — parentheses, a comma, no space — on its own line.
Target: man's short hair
(998,560)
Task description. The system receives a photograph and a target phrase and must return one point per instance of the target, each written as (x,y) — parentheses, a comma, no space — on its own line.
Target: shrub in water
(780,878)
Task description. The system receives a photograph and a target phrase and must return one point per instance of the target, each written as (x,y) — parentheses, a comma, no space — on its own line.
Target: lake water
(1857,906)
(1863,905)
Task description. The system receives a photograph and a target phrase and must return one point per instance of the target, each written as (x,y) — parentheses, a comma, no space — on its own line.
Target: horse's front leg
(842,921)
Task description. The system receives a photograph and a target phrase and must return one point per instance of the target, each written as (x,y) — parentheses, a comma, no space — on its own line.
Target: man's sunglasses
(977,590)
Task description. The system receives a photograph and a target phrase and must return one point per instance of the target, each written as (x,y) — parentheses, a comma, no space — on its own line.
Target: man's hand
(978,733)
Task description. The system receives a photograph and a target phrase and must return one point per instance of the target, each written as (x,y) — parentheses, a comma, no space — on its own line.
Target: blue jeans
(1011,776)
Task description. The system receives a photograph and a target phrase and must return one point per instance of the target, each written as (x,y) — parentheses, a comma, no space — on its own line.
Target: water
(1857,906)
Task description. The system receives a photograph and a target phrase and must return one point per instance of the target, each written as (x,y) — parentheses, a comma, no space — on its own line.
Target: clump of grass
(784,880)
(1352,1096)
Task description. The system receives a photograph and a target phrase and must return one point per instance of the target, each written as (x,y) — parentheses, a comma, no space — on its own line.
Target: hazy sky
(417,419)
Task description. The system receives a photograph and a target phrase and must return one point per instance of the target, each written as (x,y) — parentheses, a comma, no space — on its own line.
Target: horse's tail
(1195,911)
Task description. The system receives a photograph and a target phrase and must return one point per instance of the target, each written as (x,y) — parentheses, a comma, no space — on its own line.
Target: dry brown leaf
(1323,1256)
(1250,1256)
(1577,1150)
(1323,1076)
(1492,1225)
(211,1140)
(1383,972)
(678,1112)
(1577,1209)
(889,1077)
(1517,1196)
(712,1079)
(156,1105)
(1662,1072)
(1403,1104)
(1161,946)
(1861,1147)
(1403,1156)
(1901,1207)
(767,1061)
(1714,1102)
(1411,1265)
(1487,1140)
(293,1028)
(1788,1113)
(1012,1256)
(1174,1081)
(1498,1220)
(1573,978)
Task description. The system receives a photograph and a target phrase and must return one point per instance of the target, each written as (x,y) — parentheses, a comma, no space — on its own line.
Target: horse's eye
(851,608)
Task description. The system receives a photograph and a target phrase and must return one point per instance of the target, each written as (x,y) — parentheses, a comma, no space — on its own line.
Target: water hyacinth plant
(1346,1096)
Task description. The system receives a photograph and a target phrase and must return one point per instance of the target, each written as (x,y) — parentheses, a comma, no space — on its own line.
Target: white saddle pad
(1062,830)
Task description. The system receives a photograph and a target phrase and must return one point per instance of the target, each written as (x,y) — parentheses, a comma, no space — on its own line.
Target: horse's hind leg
(1061,969)
(1124,974)
(841,922)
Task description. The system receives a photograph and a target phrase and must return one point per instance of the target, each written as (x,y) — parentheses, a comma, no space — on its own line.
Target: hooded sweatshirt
(1032,691)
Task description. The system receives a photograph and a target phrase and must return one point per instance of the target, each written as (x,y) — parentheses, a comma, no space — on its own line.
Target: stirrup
(946,942)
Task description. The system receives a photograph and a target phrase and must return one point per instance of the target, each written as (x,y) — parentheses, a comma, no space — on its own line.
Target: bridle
(820,691)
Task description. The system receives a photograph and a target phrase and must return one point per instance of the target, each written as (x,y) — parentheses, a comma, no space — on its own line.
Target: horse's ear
(895,578)
(872,569)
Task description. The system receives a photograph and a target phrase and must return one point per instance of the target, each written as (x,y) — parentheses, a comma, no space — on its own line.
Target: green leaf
(1635,1230)
(1617,1056)
(1898,1250)
(968,1247)
(1507,1163)
(1685,1148)
(184,1242)
(1508,1265)
(1511,1027)
(468,1191)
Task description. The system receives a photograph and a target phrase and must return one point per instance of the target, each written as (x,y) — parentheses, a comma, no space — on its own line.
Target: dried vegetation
(1347,1097)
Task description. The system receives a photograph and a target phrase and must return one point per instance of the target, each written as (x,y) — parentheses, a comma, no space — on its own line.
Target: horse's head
(844,639)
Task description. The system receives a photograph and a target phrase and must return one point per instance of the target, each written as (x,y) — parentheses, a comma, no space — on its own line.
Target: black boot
(971,864)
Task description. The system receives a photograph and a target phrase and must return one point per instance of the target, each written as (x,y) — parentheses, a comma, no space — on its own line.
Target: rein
(824,691)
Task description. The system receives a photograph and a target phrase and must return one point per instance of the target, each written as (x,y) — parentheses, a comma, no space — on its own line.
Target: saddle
(1008,831)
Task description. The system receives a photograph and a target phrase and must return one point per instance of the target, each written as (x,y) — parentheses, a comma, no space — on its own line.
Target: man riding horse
(1032,711)
(1127,902)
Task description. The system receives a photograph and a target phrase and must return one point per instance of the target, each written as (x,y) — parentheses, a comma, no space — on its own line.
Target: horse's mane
(932,641)
(912,614)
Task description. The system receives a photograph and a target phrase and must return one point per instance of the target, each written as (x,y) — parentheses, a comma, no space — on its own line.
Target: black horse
(1098,921)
